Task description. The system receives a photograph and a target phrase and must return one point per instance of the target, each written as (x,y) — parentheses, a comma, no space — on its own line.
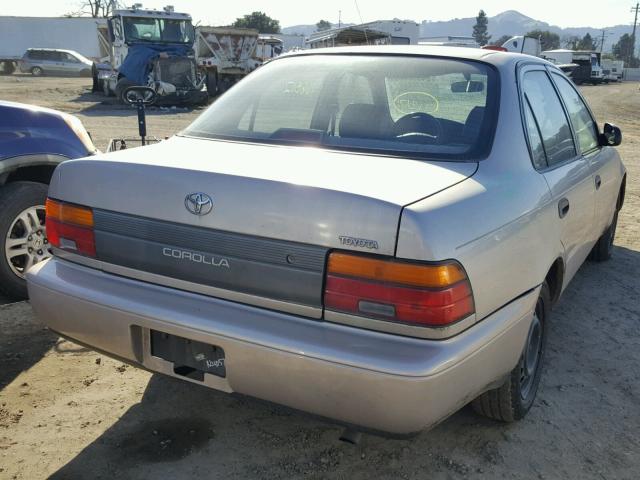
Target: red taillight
(411,293)
(70,228)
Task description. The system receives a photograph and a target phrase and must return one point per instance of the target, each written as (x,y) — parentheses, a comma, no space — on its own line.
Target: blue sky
(564,13)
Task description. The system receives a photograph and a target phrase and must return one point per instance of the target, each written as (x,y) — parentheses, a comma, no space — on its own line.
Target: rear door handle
(598,182)
(563,207)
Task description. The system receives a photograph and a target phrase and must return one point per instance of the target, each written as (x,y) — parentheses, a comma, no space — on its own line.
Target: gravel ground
(69,413)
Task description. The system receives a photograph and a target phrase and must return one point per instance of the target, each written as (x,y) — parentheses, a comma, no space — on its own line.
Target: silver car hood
(299,194)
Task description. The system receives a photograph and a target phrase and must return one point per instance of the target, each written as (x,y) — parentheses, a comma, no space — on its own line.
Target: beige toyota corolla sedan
(374,235)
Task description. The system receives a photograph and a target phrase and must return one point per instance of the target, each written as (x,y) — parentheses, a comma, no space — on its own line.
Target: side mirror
(467,87)
(612,136)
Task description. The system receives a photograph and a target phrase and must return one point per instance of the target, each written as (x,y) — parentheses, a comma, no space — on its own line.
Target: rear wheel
(514,398)
(23,234)
(7,68)
(212,84)
(121,86)
(105,88)
(604,247)
(37,71)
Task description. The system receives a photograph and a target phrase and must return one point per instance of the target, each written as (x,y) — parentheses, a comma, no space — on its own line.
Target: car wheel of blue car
(22,227)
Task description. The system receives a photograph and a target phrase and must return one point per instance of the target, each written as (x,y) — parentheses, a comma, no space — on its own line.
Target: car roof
(463,53)
(54,50)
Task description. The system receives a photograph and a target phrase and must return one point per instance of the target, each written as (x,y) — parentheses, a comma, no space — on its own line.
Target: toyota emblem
(199,204)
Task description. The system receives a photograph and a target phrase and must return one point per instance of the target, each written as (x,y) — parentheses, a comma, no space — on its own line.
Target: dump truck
(154,49)
(225,55)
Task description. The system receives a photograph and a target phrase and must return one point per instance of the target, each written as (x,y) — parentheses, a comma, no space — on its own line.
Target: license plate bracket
(190,358)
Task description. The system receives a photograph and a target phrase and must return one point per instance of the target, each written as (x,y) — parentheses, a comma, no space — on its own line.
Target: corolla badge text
(196,257)
(199,204)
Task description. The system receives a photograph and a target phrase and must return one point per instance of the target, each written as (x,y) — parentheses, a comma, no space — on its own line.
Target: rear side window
(550,119)
(36,54)
(581,119)
(535,140)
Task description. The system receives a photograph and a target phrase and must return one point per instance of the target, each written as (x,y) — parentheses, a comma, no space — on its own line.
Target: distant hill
(510,22)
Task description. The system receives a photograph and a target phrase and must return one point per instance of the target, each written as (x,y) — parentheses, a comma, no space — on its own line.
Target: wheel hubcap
(531,356)
(26,243)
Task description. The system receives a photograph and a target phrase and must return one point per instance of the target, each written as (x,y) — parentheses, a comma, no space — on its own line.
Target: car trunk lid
(276,210)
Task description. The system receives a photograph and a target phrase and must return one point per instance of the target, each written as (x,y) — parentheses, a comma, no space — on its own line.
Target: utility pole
(339,18)
(602,41)
(633,35)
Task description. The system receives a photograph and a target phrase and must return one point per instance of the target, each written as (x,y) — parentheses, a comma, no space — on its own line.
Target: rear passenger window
(549,118)
(583,124)
(535,141)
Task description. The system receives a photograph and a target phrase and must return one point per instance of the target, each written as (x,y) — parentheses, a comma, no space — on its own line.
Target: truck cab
(152,48)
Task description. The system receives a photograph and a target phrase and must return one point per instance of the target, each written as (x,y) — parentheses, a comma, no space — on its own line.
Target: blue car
(33,141)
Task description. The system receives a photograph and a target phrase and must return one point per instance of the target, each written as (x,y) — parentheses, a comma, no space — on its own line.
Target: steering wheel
(418,127)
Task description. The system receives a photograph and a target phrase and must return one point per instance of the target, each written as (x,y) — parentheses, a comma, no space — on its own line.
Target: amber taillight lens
(70,227)
(429,295)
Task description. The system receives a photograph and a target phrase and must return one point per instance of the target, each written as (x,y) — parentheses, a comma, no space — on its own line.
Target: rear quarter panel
(500,224)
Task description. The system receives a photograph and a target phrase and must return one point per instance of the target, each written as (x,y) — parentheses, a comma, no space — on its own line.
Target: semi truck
(18,34)
(152,48)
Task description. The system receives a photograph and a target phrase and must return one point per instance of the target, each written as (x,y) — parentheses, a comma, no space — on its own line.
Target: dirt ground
(69,413)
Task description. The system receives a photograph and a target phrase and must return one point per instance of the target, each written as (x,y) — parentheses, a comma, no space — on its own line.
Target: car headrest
(360,120)
(473,124)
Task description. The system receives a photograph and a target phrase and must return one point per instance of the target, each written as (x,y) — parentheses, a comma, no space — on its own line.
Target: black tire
(37,72)
(121,86)
(106,91)
(603,248)
(14,199)
(8,68)
(513,400)
(212,84)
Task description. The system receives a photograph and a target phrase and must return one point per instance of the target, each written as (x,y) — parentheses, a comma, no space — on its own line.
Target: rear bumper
(379,381)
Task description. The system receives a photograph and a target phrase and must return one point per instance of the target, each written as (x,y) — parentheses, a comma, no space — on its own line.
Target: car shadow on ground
(182,430)
(23,341)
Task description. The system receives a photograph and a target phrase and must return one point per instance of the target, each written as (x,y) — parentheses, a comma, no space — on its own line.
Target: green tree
(548,40)
(480,29)
(571,42)
(502,40)
(623,50)
(259,21)
(323,25)
(586,43)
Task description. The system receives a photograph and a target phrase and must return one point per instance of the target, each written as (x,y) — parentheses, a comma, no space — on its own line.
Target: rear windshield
(397,105)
